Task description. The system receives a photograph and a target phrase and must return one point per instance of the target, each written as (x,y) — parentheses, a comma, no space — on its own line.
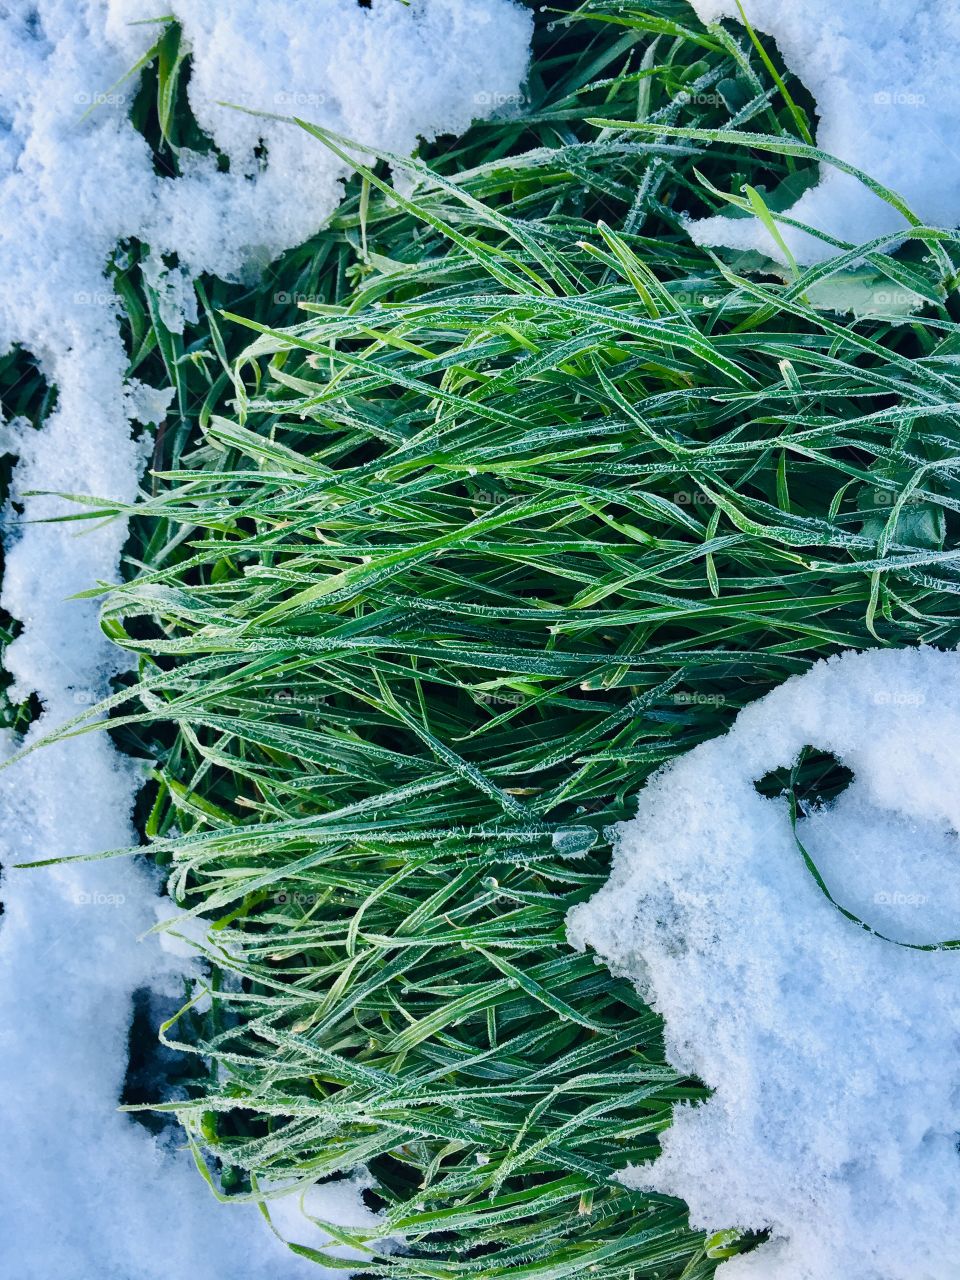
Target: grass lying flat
(520,510)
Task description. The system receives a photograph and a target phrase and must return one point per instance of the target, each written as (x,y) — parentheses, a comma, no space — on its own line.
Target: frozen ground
(832,1052)
(83,1190)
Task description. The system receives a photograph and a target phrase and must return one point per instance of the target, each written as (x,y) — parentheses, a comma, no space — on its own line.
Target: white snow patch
(84,1191)
(834,1055)
(881,74)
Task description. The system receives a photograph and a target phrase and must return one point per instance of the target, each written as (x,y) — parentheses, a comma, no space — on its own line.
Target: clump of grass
(521,509)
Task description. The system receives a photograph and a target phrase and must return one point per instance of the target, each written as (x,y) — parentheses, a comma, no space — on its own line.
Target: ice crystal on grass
(827,1030)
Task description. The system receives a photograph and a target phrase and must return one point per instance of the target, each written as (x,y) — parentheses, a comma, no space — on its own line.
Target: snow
(84,1190)
(831,1052)
(877,72)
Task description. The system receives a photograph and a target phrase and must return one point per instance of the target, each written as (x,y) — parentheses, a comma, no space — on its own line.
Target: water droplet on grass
(573,842)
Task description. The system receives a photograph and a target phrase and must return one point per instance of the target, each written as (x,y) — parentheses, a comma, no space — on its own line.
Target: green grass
(430,582)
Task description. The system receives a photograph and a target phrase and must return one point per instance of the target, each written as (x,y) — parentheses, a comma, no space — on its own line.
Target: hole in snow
(816,778)
(886,869)
(898,873)
(707,102)
(799,92)
(154,1072)
(161,113)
